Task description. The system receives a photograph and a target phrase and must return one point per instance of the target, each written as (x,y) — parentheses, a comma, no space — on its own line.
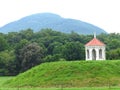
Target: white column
(97,54)
(103,54)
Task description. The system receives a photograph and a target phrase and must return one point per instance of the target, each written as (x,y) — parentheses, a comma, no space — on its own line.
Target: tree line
(20,51)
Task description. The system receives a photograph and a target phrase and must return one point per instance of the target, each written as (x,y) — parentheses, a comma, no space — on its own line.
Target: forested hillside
(19,51)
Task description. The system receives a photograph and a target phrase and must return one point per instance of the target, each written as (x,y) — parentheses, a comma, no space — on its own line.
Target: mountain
(49,20)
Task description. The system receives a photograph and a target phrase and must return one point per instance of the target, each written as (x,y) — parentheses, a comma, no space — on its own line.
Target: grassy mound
(70,74)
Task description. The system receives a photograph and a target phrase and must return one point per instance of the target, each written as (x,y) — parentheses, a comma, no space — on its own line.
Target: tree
(13,38)
(113,44)
(26,34)
(73,51)
(52,58)
(30,55)
(18,48)
(7,63)
(54,48)
(113,54)
(3,43)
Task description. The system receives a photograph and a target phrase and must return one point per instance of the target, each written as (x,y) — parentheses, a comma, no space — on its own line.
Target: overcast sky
(102,13)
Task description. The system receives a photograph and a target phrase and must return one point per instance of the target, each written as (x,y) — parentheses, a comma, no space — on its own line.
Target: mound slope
(69,74)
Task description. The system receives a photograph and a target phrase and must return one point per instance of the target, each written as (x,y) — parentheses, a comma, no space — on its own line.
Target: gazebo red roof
(95,42)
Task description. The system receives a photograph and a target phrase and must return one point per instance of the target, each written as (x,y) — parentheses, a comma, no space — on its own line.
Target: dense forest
(19,51)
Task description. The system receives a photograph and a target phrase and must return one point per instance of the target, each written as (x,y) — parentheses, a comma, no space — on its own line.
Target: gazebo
(95,50)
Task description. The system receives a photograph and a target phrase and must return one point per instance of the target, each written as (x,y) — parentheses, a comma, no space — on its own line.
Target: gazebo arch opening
(88,54)
(93,54)
(100,53)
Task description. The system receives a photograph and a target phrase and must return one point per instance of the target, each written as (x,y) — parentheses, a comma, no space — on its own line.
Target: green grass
(4,79)
(69,74)
(85,88)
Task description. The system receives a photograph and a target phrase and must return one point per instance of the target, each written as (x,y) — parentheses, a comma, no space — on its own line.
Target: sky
(102,13)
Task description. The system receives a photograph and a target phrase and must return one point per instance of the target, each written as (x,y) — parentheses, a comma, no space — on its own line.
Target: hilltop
(69,74)
(49,20)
